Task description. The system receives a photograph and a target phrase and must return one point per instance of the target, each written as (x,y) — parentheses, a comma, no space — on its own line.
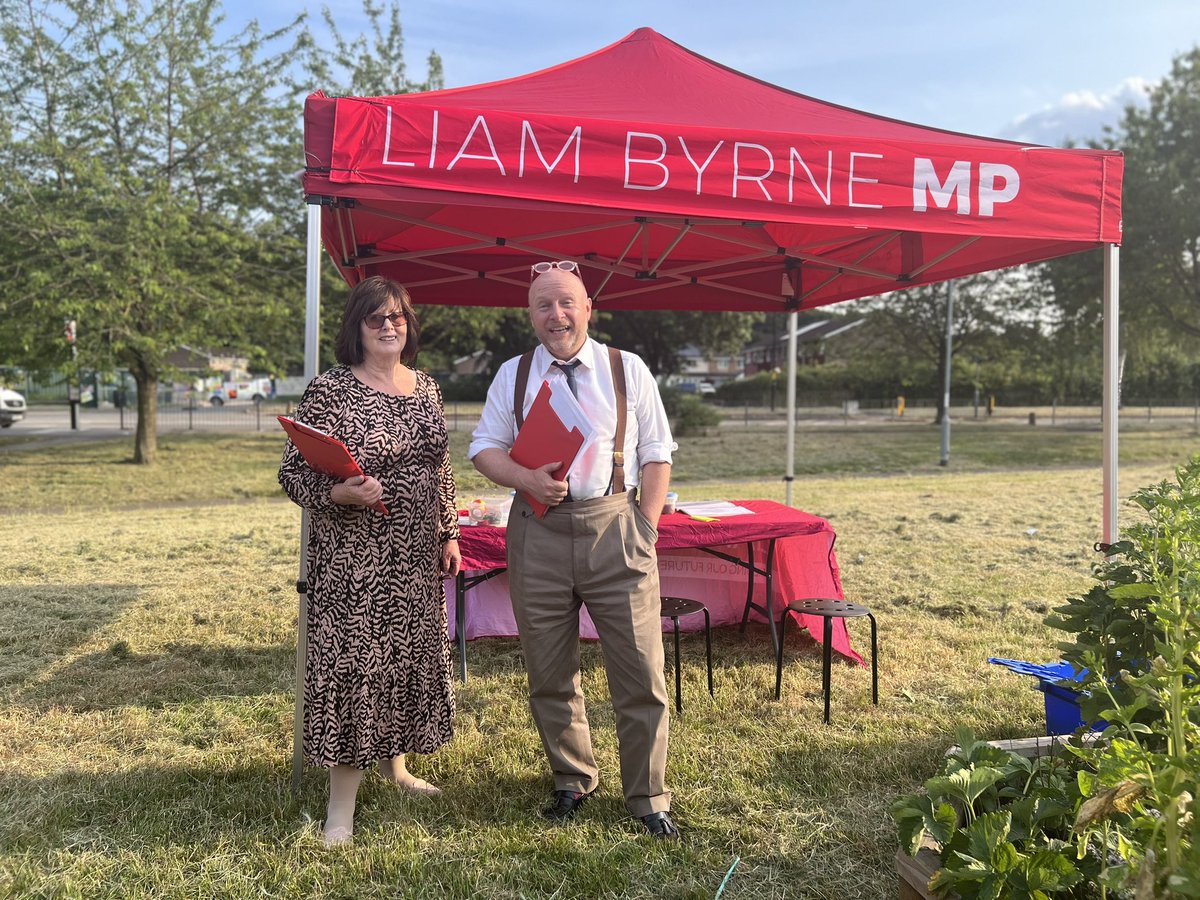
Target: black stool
(827,610)
(673,608)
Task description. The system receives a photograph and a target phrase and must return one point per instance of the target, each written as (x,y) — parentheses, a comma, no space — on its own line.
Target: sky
(1042,71)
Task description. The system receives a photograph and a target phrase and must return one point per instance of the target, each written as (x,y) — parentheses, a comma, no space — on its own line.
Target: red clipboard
(543,439)
(324,453)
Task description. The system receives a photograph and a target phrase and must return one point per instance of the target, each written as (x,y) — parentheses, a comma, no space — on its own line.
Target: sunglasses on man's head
(567,265)
(375,320)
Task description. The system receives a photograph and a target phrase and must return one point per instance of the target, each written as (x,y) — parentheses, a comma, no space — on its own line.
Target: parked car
(705,387)
(12,407)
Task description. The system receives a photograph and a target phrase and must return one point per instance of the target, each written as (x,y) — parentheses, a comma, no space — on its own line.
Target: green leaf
(916,815)
(945,880)
(965,785)
(1087,782)
(987,834)
(1047,870)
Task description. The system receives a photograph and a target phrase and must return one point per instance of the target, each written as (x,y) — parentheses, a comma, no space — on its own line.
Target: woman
(377,681)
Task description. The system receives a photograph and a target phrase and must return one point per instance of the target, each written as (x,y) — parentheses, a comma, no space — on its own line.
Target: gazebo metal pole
(793,319)
(312,333)
(1112,387)
(945,460)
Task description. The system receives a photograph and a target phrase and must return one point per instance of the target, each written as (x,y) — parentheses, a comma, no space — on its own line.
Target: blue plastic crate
(1063,715)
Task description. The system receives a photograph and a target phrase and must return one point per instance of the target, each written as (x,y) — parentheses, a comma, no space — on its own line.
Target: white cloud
(1079,116)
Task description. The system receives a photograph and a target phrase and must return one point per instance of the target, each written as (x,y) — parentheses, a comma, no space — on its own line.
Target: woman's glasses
(375,320)
(541,268)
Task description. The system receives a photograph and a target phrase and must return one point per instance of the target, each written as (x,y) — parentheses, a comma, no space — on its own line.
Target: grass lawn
(147,628)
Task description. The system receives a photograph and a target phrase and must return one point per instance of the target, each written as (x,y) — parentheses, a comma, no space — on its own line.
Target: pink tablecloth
(804,566)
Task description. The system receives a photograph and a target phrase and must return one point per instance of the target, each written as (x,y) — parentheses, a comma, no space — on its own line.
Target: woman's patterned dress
(377,677)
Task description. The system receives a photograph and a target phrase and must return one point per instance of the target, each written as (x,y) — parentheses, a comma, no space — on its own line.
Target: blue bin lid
(1056,671)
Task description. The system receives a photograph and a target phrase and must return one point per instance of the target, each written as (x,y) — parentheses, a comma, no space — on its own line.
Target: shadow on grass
(42,623)
(183,672)
(186,804)
(202,831)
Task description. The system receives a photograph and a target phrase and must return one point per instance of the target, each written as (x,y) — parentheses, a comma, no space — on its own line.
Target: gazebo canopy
(679,183)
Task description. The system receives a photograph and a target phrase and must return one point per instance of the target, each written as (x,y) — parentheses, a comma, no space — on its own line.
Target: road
(44,425)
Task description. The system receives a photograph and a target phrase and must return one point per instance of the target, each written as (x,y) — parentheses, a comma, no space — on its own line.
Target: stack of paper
(717,509)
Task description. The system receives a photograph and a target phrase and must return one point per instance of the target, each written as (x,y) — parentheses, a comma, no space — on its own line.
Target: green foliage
(465,387)
(906,330)
(659,336)
(146,166)
(1137,633)
(1160,256)
(687,412)
(366,66)
(1000,821)
(1162,191)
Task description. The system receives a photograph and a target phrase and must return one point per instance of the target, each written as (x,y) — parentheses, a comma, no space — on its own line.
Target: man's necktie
(568,369)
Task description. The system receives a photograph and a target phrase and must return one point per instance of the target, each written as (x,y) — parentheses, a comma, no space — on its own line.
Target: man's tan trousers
(599,553)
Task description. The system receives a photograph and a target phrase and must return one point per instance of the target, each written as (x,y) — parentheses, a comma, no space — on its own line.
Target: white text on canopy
(811,175)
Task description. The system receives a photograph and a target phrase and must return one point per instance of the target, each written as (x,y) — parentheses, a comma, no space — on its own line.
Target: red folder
(543,439)
(324,453)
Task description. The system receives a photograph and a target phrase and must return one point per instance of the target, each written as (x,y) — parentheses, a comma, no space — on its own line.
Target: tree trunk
(145,442)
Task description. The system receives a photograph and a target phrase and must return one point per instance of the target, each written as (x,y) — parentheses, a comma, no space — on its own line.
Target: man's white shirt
(647,432)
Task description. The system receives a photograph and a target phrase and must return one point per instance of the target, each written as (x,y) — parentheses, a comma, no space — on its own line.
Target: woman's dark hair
(368,296)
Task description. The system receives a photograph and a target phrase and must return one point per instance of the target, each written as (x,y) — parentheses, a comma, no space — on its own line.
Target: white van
(252,390)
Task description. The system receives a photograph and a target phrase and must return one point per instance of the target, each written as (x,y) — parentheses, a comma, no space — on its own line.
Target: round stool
(828,610)
(673,608)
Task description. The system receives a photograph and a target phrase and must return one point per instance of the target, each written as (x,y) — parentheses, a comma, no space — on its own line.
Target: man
(594,547)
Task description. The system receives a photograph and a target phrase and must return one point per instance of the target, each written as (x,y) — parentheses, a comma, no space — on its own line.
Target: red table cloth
(804,565)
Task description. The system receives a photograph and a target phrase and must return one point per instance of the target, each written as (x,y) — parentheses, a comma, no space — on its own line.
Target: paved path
(52,424)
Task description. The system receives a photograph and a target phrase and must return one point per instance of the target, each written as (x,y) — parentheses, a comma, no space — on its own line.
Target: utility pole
(73,380)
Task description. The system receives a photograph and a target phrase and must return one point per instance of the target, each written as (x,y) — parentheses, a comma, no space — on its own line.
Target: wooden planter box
(915,872)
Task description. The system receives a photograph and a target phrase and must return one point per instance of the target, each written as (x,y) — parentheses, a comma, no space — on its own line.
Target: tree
(659,336)
(1162,199)
(147,162)
(906,330)
(367,67)
(1160,257)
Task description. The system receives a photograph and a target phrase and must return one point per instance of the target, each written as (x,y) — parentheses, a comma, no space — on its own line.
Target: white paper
(717,509)
(570,413)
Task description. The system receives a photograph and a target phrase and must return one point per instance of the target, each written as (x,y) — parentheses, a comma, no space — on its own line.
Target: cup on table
(669,503)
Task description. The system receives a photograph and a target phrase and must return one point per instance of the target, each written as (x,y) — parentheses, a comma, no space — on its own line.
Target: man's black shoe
(661,826)
(565,805)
